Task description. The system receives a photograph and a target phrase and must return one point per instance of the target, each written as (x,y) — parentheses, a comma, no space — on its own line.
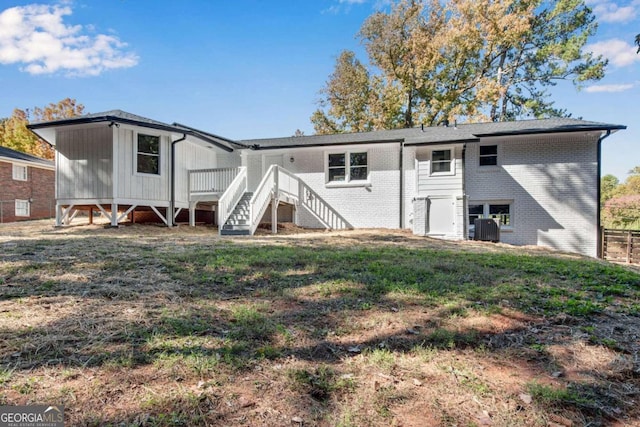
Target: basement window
(148,154)
(500,211)
(22,208)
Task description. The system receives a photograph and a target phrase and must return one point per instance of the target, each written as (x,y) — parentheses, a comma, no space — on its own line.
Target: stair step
(236,227)
(235,232)
(238,222)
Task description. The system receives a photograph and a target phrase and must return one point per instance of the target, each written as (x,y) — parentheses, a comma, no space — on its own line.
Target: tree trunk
(408,115)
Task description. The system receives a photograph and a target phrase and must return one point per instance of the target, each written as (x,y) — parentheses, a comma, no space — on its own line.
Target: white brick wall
(374,206)
(552,181)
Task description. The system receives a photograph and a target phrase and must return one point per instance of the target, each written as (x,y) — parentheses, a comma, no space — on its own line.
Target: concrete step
(234,232)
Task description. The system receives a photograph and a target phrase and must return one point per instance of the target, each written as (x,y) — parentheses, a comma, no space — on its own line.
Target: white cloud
(37,37)
(610,88)
(618,52)
(343,6)
(608,11)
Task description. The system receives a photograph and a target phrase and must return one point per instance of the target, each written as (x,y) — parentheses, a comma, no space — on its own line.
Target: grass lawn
(150,326)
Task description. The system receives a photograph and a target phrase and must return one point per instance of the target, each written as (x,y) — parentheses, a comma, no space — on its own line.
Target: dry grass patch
(150,326)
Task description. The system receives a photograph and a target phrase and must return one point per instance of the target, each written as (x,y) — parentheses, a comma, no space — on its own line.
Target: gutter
(320,144)
(172,202)
(401,184)
(599,193)
(567,129)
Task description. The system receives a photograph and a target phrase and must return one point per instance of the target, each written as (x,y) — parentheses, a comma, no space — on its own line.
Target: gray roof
(24,157)
(438,134)
(119,116)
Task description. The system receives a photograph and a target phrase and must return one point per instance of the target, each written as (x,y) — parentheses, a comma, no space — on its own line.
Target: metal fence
(621,246)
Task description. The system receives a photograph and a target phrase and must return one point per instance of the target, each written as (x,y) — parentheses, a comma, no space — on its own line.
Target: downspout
(465,204)
(402,184)
(599,193)
(172,202)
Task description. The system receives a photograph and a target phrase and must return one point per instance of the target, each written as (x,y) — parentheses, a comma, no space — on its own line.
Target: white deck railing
(232,196)
(211,180)
(276,182)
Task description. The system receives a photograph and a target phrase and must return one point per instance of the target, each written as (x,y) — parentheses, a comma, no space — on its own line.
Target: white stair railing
(288,184)
(231,197)
(261,197)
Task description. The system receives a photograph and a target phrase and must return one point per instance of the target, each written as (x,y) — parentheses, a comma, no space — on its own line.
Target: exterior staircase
(238,223)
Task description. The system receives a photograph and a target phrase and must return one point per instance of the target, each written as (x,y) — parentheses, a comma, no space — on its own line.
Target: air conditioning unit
(486,229)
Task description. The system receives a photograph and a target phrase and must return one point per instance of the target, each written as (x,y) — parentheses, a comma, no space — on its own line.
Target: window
(337,167)
(488,155)
(497,211)
(148,154)
(475,211)
(347,167)
(440,161)
(19,172)
(22,208)
(501,213)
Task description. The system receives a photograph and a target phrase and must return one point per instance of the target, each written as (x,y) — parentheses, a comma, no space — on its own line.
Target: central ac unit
(486,229)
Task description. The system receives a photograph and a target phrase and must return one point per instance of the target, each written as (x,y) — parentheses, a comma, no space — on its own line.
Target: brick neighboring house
(27,186)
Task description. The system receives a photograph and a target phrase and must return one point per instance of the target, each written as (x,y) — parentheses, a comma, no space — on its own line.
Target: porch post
(274,215)
(58,215)
(114,214)
(192,214)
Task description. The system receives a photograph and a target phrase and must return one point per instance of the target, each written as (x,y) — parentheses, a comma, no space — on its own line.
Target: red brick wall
(39,187)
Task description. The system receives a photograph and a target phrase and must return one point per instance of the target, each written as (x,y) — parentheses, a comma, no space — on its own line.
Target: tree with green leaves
(15,135)
(608,186)
(622,206)
(466,60)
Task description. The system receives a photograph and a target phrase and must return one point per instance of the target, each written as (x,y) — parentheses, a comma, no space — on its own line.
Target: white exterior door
(441,215)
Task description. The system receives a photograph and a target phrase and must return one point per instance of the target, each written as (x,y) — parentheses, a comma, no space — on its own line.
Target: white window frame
(348,182)
(20,172)
(486,212)
(497,155)
(22,208)
(452,162)
(136,153)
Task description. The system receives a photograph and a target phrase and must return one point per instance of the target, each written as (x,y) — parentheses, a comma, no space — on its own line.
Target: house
(539,179)
(27,190)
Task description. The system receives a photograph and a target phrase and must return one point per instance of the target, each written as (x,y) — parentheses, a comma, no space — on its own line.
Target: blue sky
(248,69)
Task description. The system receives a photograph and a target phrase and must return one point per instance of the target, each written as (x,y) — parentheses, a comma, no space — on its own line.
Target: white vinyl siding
(84,163)
(444,184)
(19,172)
(140,187)
(190,156)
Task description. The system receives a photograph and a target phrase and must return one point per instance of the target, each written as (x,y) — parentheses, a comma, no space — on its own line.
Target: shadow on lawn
(231,307)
